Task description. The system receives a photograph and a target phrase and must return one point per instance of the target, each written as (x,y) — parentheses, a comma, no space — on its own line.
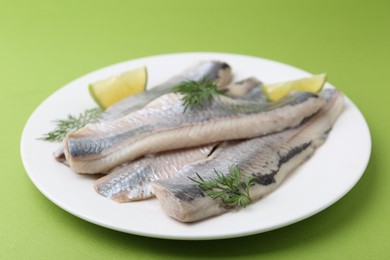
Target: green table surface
(46,44)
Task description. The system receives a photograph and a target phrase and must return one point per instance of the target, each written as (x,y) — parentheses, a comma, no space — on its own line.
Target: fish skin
(163,125)
(268,160)
(131,181)
(217,71)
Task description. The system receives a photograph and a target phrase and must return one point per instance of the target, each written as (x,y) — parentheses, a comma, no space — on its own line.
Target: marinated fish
(217,71)
(131,181)
(163,125)
(268,160)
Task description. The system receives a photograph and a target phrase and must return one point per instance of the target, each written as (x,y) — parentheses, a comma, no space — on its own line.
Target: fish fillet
(163,125)
(216,71)
(267,159)
(131,181)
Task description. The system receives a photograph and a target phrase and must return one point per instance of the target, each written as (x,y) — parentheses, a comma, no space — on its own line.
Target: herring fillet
(267,159)
(131,181)
(217,71)
(163,125)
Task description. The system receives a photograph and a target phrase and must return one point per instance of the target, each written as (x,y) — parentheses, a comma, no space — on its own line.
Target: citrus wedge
(277,91)
(113,89)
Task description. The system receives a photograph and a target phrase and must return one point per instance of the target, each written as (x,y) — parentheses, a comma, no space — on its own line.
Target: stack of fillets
(156,147)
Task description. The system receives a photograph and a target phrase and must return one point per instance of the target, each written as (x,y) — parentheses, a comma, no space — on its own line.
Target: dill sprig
(230,189)
(71,123)
(197,93)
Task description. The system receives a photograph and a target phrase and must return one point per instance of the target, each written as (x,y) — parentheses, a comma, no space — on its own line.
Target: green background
(45,44)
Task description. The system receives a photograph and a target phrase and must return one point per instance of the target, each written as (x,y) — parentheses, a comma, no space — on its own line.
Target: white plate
(326,177)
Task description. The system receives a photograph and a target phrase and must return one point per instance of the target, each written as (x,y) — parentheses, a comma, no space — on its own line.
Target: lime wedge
(113,89)
(277,91)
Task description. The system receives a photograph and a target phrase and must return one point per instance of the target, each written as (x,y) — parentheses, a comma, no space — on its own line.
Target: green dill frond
(229,188)
(197,93)
(71,124)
